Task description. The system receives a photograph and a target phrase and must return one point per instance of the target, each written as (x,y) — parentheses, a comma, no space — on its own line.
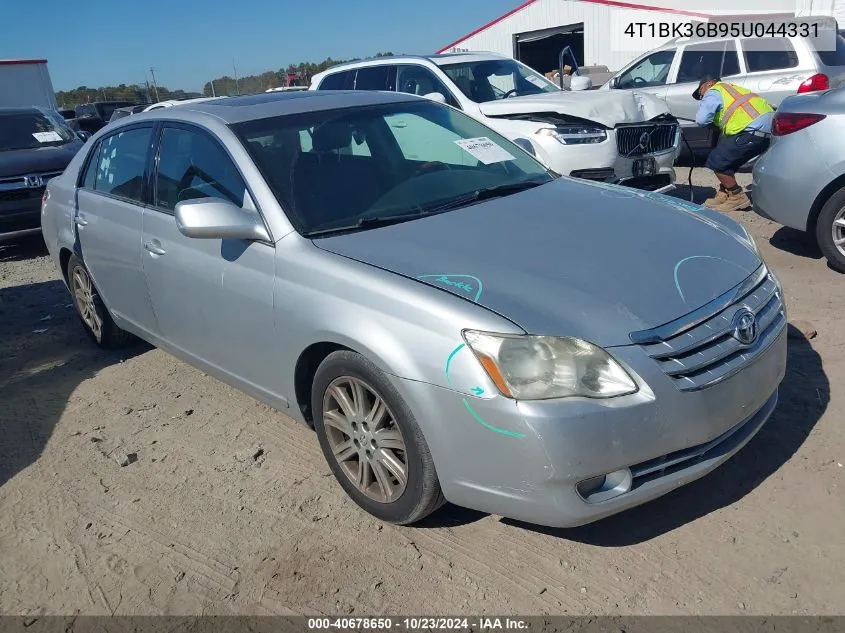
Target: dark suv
(93,116)
(35,145)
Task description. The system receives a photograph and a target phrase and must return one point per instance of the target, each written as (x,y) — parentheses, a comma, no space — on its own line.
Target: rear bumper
(530,460)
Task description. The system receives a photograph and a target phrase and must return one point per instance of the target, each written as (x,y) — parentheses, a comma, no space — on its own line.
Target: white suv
(620,137)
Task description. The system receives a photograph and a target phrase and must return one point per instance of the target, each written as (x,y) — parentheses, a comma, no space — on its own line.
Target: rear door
(109,213)
(213,298)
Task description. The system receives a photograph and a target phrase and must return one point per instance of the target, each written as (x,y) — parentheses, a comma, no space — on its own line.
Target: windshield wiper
(497,191)
(371,222)
(478,195)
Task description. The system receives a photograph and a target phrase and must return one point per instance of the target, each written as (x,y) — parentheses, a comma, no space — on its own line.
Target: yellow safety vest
(740,107)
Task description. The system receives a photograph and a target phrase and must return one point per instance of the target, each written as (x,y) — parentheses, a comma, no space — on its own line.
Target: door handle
(80,222)
(154,248)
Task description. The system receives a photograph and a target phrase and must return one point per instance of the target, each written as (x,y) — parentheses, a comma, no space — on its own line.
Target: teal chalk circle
(470,285)
(477,391)
(686,259)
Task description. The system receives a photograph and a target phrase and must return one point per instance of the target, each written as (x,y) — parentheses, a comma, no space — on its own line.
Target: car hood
(20,162)
(567,258)
(606,108)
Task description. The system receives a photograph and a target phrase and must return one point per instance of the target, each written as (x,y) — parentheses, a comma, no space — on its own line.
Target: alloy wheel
(85,295)
(838,230)
(365,439)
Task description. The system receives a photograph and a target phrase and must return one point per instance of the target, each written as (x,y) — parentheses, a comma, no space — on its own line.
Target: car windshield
(31,130)
(490,80)
(354,168)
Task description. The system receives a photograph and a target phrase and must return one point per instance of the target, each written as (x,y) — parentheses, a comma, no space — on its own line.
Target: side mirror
(614,82)
(213,218)
(580,83)
(83,135)
(435,96)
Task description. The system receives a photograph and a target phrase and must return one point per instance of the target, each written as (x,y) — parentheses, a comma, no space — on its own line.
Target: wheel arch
(818,204)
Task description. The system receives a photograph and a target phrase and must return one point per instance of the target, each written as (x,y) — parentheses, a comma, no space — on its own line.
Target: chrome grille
(639,140)
(701,350)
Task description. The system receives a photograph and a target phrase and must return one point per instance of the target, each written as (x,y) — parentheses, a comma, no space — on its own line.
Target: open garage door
(541,49)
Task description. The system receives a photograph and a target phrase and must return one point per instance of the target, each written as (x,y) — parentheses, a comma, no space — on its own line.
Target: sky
(188,42)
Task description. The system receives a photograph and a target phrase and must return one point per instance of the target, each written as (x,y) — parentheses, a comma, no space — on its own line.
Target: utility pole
(212,89)
(237,86)
(155,85)
(147,84)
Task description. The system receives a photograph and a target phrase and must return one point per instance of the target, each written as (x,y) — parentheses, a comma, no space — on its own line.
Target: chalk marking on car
(495,429)
(686,259)
(449,281)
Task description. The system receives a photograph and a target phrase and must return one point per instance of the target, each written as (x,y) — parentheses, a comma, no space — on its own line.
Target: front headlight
(575,134)
(544,367)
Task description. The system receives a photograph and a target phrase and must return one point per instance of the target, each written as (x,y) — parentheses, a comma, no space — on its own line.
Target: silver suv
(775,68)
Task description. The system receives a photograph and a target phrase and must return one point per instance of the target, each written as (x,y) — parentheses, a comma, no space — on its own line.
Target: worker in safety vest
(745,122)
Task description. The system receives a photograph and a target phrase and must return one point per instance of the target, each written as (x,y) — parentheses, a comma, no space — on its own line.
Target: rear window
(338,81)
(834,58)
(769,54)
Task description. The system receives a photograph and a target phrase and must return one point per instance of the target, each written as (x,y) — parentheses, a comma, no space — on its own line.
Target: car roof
(20,110)
(270,104)
(440,60)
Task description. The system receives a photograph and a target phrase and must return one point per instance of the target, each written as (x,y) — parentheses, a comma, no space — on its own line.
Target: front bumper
(20,217)
(602,162)
(525,460)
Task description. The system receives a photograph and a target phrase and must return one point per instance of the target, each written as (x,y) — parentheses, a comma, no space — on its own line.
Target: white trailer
(26,82)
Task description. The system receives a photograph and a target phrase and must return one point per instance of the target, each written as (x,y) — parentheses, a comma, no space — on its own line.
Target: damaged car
(626,138)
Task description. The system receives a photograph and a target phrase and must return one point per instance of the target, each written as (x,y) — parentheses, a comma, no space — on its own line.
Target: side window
(651,71)
(91,168)
(191,165)
(338,81)
(730,63)
(768,54)
(376,78)
(421,140)
(122,163)
(418,80)
(698,60)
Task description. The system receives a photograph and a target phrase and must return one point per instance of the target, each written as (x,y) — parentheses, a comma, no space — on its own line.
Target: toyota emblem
(745,327)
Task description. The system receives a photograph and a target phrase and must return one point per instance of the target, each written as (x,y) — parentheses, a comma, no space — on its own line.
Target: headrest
(332,135)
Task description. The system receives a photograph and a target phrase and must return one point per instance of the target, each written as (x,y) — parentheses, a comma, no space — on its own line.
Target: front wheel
(372,442)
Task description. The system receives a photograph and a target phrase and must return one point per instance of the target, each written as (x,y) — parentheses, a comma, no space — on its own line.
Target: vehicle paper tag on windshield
(47,137)
(485,150)
(536,81)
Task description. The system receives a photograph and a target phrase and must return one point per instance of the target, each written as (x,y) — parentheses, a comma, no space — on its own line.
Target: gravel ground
(226,506)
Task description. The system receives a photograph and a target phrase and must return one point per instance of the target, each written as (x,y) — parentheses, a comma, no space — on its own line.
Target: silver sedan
(456,322)
(800,181)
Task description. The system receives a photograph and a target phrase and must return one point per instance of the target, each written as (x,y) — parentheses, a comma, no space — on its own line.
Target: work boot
(720,197)
(734,201)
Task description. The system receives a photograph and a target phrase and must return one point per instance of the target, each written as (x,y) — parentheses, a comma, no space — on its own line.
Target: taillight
(788,122)
(814,83)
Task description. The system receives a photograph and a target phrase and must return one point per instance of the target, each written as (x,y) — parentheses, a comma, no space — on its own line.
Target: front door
(108,222)
(213,298)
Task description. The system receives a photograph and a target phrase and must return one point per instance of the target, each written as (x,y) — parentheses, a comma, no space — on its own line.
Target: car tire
(832,211)
(366,446)
(95,318)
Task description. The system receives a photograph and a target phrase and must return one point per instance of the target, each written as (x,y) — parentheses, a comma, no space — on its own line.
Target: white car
(618,137)
(175,102)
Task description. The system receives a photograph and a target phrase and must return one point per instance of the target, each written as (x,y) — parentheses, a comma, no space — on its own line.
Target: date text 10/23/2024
(417,624)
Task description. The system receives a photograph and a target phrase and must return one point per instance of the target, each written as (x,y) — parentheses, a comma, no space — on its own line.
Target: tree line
(219,86)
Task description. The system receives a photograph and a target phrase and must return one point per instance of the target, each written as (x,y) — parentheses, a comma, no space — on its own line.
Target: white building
(536,31)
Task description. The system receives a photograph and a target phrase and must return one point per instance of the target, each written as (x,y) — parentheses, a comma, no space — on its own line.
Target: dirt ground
(227,506)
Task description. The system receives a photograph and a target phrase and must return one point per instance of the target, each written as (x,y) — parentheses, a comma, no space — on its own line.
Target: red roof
(611,3)
(12,62)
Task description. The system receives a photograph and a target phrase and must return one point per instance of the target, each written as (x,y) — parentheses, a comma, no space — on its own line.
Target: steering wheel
(431,166)
(637,81)
(510,92)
